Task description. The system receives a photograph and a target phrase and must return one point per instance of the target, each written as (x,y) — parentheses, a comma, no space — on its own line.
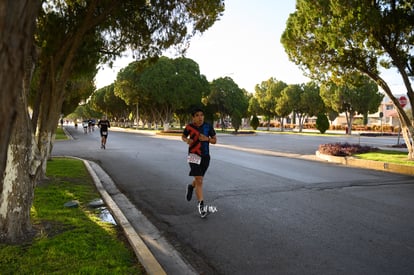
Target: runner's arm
(212,140)
(186,139)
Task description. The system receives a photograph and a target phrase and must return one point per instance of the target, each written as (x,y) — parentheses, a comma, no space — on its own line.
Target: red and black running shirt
(198,147)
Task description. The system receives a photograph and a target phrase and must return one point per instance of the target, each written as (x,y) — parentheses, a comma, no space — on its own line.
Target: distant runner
(103,126)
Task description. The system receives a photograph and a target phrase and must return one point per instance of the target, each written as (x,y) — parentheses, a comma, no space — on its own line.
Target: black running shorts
(200,169)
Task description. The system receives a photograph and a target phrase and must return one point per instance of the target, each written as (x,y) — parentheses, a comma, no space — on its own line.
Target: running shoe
(189,193)
(203,210)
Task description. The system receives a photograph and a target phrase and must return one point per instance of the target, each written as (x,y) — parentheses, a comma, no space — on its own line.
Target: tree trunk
(407,128)
(17,22)
(50,108)
(301,120)
(282,124)
(407,131)
(349,118)
(17,194)
(268,123)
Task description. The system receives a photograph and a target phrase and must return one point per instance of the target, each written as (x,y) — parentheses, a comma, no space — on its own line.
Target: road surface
(276,215)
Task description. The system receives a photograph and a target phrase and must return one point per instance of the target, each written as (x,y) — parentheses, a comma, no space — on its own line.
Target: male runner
(104,125)
(198,135)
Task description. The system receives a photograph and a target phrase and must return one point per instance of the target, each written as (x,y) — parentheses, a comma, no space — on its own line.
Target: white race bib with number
(104,133)
(193,158)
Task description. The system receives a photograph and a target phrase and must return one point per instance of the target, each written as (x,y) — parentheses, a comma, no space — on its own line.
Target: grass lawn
(60,134)
(387,156)
(69,240)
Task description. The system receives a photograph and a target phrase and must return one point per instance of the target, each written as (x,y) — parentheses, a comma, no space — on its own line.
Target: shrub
(322,123)
(254,123)
(344,149)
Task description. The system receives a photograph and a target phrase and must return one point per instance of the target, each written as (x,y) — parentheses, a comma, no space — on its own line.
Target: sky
(244,45)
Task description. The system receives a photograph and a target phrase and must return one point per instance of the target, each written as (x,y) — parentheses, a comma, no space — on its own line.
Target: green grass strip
(69,240)
(60,134)
(388,156)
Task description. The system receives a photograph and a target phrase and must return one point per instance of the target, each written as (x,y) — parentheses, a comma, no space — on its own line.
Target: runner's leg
(198,185)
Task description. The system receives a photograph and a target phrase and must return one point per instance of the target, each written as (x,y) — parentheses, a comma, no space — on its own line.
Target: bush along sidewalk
(344,149)
(69,240)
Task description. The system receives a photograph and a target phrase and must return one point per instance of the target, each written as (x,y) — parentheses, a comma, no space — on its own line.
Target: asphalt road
(276,215)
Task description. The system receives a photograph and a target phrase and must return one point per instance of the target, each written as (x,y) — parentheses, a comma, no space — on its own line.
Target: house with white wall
(387,108)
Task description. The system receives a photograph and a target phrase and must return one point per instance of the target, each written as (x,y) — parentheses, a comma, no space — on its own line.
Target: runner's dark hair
(195,110)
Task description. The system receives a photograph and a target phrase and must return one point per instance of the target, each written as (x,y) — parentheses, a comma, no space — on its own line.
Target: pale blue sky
(244,45)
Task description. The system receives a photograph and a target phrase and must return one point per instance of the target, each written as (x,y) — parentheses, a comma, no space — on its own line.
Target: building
(387,108)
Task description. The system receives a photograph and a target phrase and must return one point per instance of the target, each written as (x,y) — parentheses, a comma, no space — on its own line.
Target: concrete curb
(369,164)
(142,252)
(348,161)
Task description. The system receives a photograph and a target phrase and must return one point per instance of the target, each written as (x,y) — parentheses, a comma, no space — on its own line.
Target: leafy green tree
(254,107)
(332,115)
(303,100)
(254,110)
(267,94)
(373,34)
(243,107)
(127,87)
(77,90)
(173,85)
(85,111)
(228,100)
(289,101)
(105,101)
(354,94)
(190,85)
(312,99)
(72,36)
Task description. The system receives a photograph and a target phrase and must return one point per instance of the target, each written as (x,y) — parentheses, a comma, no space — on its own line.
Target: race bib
(104,133)
(193,158)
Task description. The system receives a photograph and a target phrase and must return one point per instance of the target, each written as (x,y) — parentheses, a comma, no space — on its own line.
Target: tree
(106,102)
(332,115)
(78,90)
(254,107)
(312,100)
(354,94)
(17,23)
(373,34)
(76,35)
(267,94)
(228,100)
(289,101)
(72,36)
(303,100)
(192,85)
(241,109)
(172,85)
(127,87)
(84,111)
